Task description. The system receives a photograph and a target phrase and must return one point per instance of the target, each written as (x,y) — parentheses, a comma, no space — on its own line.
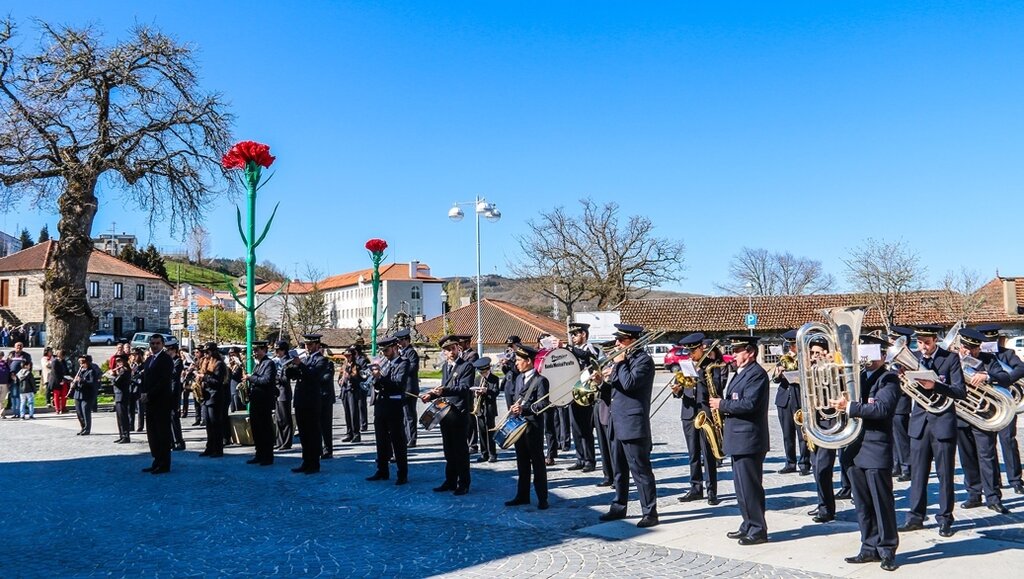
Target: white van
(658,351)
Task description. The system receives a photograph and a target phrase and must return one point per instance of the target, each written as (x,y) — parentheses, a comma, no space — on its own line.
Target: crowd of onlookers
(25,333)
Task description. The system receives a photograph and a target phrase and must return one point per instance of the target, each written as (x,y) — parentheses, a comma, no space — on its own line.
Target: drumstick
(411,395)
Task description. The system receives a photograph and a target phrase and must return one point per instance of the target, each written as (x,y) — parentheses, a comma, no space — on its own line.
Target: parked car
(1016,344)
(678,353)
(658,351)
(104,337)
(141,339)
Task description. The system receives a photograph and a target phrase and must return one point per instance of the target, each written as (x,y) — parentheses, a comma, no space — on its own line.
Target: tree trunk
(69,318)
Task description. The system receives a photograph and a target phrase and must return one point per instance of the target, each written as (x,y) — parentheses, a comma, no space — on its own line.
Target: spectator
(5,336)
(28,392)
(45,374)
(57,383)
(32,337)
(5,386)
(15,360)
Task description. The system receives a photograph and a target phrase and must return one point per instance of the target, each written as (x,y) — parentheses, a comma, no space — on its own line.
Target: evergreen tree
(129,254)
(44,234)
(153,261)
(26,239)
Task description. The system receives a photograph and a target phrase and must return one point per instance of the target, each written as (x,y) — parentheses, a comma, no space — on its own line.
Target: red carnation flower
(376,245)
(244,151)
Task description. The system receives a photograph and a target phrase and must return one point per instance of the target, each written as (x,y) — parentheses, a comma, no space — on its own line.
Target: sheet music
(922,375)
(793,376)
(970,362)
(687,368)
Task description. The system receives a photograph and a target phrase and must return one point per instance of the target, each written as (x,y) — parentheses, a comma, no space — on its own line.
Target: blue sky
(799,126)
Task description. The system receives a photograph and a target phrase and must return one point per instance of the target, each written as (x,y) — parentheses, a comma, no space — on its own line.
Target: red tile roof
(500,320)
(293,287)
(39,256)
(388,271)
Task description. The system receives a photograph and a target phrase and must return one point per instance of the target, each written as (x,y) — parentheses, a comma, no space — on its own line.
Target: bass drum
(434,414)
(562,369)
(510,431)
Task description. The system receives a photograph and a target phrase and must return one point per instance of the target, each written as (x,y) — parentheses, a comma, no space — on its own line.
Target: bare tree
(960,299)
(885,271)
(198,243)
(595,256)
(309,309)
(765,273)
(77,112)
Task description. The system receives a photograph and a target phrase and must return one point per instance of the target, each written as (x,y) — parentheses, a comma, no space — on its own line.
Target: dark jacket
(491,396)
(284,383)
(413,359)
(876,407)
(156,381)
(311,373)
(85,384)
(1009,357)
(530,406)
(632,382)
(391,387)
(57,372)
(745,408)
(122,384)
(951,384)
(456,383)
(996,376)
(216,389)
(263,380)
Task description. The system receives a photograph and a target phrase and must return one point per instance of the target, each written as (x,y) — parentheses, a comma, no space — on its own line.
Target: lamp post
(481,207)
(750,303)
(444,311)
(216,306)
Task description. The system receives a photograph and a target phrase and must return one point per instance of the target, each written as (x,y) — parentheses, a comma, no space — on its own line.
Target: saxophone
(713,425)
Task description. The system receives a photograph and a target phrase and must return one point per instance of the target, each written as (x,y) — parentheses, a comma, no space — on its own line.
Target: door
(118,327)
(5,288)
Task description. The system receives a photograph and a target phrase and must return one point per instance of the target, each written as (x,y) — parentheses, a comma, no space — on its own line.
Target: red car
(678,353)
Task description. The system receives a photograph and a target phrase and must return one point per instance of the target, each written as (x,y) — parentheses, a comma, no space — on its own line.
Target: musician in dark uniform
(470,355)
(85,383)
(825,458)
(310,373)
(901,420)
(508,369)
(978,447)
(283,409)
(631,378)
(159,399)
(933,435)
(582,417)
(455,388)
(390,384)
(694,401)
(122,383)
(787,401)
(351,379)
(485,393)
(216,393)
(870,471)
(529,388)
(1007,436)
(262,401)
(744,404)
(406,351)
(602,423)
(328,398)
(360,360)
(176,390)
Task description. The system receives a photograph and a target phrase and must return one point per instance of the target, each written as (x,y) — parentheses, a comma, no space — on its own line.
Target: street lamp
(750,303)
(490,212)
(216,306)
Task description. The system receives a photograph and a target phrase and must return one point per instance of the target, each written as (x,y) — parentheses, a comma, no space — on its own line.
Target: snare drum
(434,413)
(509,432)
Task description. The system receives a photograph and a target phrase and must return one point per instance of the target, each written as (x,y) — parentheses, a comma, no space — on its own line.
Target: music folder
(922,375)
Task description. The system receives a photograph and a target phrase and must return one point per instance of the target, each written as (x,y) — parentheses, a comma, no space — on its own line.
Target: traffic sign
(193,327)
(751,320)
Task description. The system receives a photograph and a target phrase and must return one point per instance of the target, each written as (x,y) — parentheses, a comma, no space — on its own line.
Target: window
(118,291)
(22,286)
(140,292)
(415,292)
(94,289)
(140,324)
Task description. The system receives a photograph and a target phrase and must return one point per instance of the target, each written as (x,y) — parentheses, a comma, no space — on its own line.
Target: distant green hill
(179,272)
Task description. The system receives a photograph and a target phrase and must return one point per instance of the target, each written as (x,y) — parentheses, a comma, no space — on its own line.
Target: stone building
(123,298)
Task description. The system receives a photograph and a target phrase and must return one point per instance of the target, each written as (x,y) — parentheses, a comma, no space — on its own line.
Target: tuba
(831,379)
(1016,389)
(899,353)
(989,407)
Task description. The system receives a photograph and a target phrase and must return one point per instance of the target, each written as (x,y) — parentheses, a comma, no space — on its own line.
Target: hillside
(179,272)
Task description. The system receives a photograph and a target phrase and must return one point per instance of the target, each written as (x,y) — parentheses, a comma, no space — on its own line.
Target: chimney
(1010,295)
(414,269)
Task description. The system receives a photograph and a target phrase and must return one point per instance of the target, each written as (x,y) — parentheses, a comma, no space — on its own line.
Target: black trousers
(748,477)
(140,411)
(977,449)
(530,464)
(901,442)
(582,419)
(484,424)
(699,452)
(389,432)
(285,426)
(1011,452)
(633,457)
(327,425)
(876,510)
(83,410)
(225,418)
(124,421)
(824,465)
(604,443)
(456,450)
(353,412)
(159,434)
(185,394)
(213,418)
(307,418)
(175,413)
(923,451)
(472,436)
(411,419)
(563,423)
(261,420)
(551,434)
(364,412)
(792,439)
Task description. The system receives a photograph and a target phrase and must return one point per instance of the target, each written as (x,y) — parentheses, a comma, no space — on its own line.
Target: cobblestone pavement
(78,506)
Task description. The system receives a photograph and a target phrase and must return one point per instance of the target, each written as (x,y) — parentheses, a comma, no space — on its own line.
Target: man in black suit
(262,401)
(529,388)
(406,351)
(870,471)
(176,389)
(745,406)
(933,435)
(486,390)
(283,408)
(582,417)
(159,399)
(456,389)
(631,378)
(695,401)
(310,374)
(1013,365)
(978,447)
(787,401)
(901,420)
(390,384)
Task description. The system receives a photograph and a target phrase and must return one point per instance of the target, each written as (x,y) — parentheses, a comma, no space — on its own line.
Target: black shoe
(889,564)
(844,495)
(946,529)
(161,470)
(410,445)
(589,468)
(1019,488)
(357,439)
(197,423)
(713,499)
(347,439)
(401,481)
(905,477)
(549,461)
(862,558)
(517,502)
(474,449)
(576,466)
(543,505)
(379,476)
(493,459)
(461,491)
(971,503)
(813,512)
(604,483)
(734,534)
(176,446)
(613,515)
(805,472)
(327,456)
(693,495)
(148,469)
(482,459)
(752,540)
(253,461)
(823,518)
(444,488)
(648,521)
(299,469)
(911,525)
(999,508)
(787,469)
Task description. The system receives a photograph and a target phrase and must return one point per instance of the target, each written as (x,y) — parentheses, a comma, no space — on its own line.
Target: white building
(407,287)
